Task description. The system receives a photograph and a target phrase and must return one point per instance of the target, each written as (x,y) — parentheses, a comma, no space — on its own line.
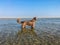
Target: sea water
(46,28)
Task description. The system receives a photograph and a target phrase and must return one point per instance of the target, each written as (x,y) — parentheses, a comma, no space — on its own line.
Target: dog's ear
(34,18)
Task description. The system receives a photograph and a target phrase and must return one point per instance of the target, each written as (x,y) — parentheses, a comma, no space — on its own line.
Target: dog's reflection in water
(26,31)
(28,37)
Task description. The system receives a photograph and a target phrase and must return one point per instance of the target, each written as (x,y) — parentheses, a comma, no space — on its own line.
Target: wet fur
(29,23)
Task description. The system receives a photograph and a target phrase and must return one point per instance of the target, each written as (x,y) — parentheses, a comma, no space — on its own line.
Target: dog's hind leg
(23,26)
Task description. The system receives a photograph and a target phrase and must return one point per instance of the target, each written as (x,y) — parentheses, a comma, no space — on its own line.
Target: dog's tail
(18,20)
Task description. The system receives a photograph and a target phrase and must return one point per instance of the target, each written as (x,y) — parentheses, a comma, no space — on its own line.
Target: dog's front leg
(32,27)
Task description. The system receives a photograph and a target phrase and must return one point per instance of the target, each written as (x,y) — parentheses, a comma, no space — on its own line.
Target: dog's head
(34,19)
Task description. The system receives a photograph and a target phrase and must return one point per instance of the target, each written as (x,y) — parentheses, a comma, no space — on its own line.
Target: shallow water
(46,32)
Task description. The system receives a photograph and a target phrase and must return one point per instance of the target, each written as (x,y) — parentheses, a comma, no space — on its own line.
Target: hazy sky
(29,8)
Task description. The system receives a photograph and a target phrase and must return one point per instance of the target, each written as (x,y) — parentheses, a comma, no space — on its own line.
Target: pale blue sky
(29,8)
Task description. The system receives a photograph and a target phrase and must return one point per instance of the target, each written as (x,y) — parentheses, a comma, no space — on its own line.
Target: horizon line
(29,17)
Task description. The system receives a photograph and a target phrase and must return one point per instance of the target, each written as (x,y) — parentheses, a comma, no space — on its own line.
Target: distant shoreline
(27,17)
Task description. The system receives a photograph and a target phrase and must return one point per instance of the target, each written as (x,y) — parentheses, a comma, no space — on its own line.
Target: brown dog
(29,23)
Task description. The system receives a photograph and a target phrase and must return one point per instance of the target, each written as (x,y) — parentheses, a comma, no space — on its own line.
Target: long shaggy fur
(29,23)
